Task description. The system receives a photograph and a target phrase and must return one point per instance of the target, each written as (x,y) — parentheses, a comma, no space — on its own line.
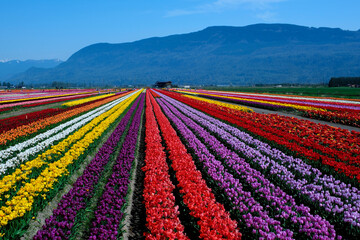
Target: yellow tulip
(81,101)
(23,201)
(295,106)
(228,105)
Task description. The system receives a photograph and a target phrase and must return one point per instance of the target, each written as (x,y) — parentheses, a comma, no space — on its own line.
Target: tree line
(344,82)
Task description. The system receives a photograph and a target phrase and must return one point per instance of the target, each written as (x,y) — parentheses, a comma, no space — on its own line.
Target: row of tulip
(334,147)
(24,173)
(109,212)
(343,116)
(227,105)
(338,202)
(214,221)
(162,219)
(351,118)
(44,101)
(54,168)
(12,122)
(329,104)
(43,91)
(263,225)
(14,155)
(229,108)
(32,91)
(3,110)
(333,140)
(345,113)
(306,129)
(21,97)
(261,103)
(55,100)
(73,204)
(155,95)
(42,123)
(85,100)
(7,124)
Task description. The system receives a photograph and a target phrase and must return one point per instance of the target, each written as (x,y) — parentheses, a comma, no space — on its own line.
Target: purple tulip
(285,204)
(289,101)
(332,195)
(108,214)
(75,200)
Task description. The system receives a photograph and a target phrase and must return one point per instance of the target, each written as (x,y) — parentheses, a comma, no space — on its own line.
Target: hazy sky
(47,29)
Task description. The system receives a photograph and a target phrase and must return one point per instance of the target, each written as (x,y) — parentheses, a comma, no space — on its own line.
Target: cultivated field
(316,91)
(178,164)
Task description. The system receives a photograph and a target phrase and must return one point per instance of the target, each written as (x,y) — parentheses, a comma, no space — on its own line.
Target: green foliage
(344,81)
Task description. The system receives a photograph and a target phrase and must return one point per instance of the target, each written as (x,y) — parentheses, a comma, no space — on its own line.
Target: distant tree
(60,85)
(54,84)
(20,85)
(344,81)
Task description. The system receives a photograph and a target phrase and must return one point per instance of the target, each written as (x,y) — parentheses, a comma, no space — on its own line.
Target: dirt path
(20,111)
(266,111)
(127,221)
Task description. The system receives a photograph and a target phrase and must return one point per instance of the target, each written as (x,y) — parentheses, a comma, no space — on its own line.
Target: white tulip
(47,138)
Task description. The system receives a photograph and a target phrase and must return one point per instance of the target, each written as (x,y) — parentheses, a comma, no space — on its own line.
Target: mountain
(10,68)
(254,54)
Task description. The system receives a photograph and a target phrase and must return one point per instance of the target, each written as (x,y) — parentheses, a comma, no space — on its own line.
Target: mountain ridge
(271,53)
(8,68)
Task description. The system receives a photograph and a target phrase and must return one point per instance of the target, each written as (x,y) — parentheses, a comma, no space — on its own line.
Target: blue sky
(49,29)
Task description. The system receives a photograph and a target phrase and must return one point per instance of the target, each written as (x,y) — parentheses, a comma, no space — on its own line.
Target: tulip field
(179,164)
(33,98)
(344,111)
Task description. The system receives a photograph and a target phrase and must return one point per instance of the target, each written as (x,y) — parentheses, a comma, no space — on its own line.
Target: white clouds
(261,8)
(266,16)
(254,3)
(181,12)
